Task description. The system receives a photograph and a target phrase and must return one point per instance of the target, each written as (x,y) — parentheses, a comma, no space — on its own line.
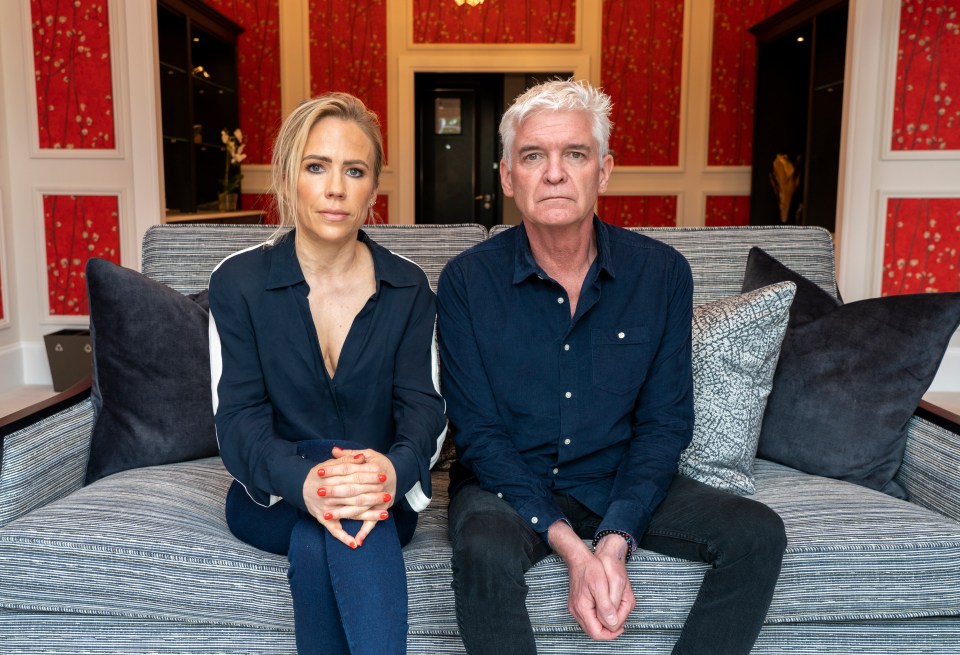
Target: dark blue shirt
(599,406)
(271,388)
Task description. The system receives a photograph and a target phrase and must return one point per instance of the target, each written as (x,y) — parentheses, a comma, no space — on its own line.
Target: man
(565,345)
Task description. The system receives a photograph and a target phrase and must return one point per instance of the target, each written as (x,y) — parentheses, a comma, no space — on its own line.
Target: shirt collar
(525,265)
(285,268)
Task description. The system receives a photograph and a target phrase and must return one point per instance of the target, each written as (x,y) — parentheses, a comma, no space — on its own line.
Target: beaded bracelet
(630,545)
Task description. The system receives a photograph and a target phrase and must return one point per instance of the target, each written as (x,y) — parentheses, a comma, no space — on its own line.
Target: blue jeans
(742,540)
(344,600)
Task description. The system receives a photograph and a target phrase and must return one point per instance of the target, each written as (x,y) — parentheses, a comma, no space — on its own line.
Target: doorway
(458,145)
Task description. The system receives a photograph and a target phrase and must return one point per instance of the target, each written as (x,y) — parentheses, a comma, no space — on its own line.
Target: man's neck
(563,252)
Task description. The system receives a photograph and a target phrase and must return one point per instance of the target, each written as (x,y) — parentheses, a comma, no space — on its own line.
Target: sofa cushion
(153,543)
(736,342)
(151,379)
(850,377)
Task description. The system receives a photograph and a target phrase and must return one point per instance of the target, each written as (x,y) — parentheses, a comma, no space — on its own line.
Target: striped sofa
(142,561)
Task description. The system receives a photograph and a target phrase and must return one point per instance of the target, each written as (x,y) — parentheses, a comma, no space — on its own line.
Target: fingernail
(386,498)
(358,456)
(359,542)
(384,515)
(322,491)
(353,544)
(382,477)
(327,516)
(321,472)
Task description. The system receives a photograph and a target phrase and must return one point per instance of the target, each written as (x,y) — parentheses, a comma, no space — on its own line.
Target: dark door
(458,148)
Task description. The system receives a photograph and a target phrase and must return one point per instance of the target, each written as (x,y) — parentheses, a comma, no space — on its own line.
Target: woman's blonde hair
(292,140)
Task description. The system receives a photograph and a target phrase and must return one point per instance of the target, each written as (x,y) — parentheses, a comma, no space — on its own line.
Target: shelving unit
(799,108)
(198,98)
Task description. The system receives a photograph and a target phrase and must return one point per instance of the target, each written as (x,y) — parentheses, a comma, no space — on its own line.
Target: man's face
(557,172)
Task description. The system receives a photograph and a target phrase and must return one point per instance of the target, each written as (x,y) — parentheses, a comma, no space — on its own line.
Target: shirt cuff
(540,514)
(288,476)
(624,516)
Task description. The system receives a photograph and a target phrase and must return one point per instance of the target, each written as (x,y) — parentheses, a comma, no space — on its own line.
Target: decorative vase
(228,202)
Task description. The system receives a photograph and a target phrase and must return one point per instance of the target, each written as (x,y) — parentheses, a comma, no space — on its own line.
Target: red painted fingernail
(386,498)
(358,456)
(321,472)
(322,491)
(353,544)
(384,515)
(359,542)
(327,516)
(382,477)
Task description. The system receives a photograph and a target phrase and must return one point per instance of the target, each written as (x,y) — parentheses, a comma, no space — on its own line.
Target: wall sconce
(472,3)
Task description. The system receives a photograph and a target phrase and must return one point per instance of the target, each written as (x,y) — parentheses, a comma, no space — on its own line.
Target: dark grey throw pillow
(151,372)
(850,377)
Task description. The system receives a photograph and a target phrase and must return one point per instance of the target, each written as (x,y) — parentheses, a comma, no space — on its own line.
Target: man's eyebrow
(570,146)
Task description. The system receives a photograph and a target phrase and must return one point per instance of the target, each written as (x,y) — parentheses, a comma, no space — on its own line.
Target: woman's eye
(314,168)
(355,172)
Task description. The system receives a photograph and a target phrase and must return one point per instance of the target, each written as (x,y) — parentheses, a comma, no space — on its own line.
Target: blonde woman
(327,412)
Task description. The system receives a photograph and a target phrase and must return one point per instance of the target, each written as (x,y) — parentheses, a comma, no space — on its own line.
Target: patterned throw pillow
(736,342)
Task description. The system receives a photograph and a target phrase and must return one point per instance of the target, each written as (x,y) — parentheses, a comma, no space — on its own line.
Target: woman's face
(336,185)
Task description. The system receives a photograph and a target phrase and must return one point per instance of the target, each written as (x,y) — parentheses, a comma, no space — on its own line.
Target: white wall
(131,171)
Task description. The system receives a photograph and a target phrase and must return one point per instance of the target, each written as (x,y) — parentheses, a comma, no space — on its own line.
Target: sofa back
(718,256)
(182,256)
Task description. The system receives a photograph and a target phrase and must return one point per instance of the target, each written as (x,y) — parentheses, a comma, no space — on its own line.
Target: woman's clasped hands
(354,484)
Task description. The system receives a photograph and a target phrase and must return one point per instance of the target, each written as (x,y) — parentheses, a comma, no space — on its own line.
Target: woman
(326,405)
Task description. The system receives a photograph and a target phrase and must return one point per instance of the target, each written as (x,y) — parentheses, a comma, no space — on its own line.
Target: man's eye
(532,156)
(577,155)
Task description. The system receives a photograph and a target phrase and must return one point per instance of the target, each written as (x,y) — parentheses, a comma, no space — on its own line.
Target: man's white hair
(559,95)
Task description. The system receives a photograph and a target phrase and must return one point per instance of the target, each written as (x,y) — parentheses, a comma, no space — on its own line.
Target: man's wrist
(623,541)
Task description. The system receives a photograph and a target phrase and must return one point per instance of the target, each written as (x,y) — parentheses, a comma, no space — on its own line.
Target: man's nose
(555,172)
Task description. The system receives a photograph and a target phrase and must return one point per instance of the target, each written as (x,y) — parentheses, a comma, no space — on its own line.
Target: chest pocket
(621,357)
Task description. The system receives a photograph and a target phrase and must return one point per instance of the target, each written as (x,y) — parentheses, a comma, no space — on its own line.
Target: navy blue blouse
(271,388)
(599,406)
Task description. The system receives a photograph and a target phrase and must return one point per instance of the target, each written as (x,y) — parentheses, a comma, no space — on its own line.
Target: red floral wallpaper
(922,248)
(733,78)
(77,228)
(725,211)
(258,67)
(641,68)
(925,116)
(348,51)
(495,21)
(638,211)
(71,42)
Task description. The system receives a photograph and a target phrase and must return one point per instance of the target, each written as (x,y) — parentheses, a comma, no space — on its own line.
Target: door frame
(403,156)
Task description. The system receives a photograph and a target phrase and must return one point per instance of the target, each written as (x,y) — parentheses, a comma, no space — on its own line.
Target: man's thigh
(479,516)
(698,522)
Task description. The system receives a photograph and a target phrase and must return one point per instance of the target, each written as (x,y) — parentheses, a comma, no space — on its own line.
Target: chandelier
(472,3)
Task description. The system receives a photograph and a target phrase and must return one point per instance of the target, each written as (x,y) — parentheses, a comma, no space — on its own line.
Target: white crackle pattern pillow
(736,343)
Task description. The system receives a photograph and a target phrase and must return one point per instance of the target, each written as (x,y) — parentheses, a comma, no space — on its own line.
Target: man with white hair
(565,345)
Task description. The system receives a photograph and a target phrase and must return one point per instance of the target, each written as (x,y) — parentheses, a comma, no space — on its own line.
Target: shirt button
(560,301)
(499,495)
(534,519)
(566,346)
(566,442)
(555,471)
(621,335)
(568,395)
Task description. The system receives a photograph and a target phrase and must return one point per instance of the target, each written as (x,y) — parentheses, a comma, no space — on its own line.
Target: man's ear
(505,180)
(606,168)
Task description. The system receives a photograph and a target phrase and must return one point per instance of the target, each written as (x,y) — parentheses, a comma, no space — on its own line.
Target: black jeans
(741,539)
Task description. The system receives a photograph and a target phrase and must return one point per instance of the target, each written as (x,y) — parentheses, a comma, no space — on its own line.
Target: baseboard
(948,375)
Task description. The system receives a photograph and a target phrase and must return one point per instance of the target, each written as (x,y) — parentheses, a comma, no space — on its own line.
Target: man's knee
(485,541)
(759,534)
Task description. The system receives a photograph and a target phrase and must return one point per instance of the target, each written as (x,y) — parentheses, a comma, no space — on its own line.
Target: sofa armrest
(44,451)
(931,464)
